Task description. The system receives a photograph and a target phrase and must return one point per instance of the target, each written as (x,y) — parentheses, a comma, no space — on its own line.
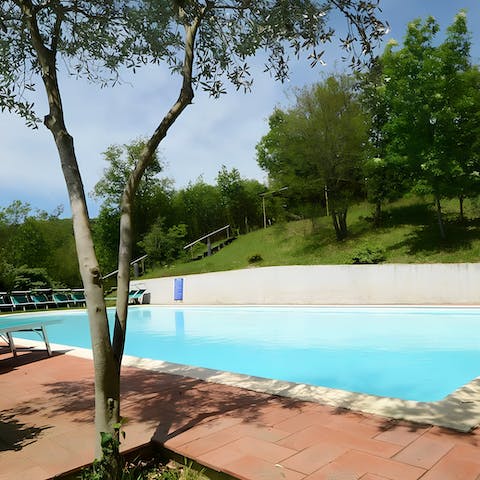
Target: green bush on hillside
(7,276)
(31,278)
(255,258)
(368,255)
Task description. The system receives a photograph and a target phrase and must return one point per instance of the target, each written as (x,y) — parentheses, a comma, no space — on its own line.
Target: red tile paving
(425,452)
(46,428)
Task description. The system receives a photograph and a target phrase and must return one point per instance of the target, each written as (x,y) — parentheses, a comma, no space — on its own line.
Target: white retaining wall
(326,284)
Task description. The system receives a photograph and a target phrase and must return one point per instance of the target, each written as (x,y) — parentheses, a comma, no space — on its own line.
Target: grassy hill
(409,234)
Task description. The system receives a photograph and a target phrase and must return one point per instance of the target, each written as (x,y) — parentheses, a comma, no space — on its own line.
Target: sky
(210,133)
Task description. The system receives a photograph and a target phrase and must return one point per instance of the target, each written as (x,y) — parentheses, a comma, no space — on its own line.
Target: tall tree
(316,146)
(235,198)
(467,139)
(386,174)
(198,205)
(459,116)
(427,124)
(164,245)
(38,239)
(252,207)
(202,41)
(152,199)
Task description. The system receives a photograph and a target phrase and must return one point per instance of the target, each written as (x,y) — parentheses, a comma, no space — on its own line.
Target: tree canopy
(93,38)
(152,199)
(37,249)
(427,92)
(315,147)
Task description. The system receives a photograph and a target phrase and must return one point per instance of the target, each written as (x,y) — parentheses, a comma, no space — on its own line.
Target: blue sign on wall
(178,289)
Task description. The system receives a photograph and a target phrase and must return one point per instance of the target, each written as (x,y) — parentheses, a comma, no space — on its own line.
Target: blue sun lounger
(78,297)
(41,300)
(62,299)
(5,303)
(20,300)
(135,296)
(8,326)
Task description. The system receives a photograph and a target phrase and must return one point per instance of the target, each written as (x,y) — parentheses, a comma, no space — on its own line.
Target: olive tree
(203,42)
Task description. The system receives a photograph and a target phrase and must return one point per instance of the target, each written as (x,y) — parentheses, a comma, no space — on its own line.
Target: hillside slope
(408,234)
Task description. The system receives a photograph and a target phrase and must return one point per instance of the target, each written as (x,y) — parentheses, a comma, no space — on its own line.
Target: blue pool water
(417,354)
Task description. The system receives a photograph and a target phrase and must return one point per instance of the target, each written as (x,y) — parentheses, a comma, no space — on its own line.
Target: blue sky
(209,134)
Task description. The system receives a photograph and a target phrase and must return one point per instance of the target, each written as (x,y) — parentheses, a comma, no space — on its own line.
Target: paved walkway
(46,428)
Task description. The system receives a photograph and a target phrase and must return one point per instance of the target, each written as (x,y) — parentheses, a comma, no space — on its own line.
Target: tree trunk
(440,218)
(126,206)
(339,220)
(107,355)
(377,219)
(336,225)
(461,198)
(343,223)
(106,366)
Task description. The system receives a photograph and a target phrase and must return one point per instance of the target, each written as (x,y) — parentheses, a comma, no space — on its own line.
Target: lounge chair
(21,300)
(78,297)
(136,296)
(62,299)
(41,300)
(6,304)
(7,327)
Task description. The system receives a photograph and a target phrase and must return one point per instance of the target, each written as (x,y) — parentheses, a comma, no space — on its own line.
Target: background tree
(7,273)
(387,179)
(467,142)
(198,206)
(426,101)
(387,176)
(164,245)
(316,147)
(252,206)
(201,41)
(36,240)
(204,208)
(239,199)
(152,199)
(460,120)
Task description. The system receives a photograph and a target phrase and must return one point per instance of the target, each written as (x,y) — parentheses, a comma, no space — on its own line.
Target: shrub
(27,278)
(7,275)
(150,469)
(255,258)
(164,246)
(368,255)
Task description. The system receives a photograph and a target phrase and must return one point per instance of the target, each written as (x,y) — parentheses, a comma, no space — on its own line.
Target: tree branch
(56,31)
(356,20)
(125,245)
(246,4)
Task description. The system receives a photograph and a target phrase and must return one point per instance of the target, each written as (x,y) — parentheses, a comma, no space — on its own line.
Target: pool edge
(459,410)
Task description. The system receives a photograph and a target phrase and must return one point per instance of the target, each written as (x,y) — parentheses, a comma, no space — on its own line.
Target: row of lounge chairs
(41,299)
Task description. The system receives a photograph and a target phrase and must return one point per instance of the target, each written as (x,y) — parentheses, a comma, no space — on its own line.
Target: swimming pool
(420,354)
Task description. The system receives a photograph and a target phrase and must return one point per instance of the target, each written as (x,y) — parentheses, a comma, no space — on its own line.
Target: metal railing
(132,263)
(207,236)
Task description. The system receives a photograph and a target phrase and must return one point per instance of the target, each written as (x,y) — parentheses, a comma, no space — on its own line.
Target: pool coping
(459,410)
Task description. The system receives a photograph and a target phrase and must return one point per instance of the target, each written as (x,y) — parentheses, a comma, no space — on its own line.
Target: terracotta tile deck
(46,428)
